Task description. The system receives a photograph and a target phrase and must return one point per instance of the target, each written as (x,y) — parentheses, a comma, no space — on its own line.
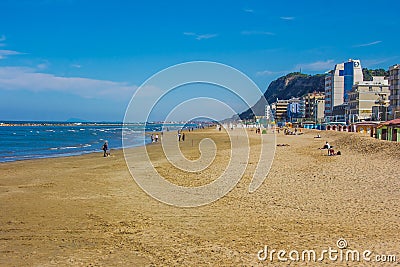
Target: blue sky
(84,59)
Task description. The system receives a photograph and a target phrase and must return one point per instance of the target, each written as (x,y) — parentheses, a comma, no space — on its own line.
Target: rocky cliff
(291,85)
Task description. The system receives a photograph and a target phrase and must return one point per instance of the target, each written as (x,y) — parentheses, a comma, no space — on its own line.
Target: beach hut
(389,130)
(366,127)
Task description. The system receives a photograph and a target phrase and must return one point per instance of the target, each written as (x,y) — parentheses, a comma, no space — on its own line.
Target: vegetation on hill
(368,73)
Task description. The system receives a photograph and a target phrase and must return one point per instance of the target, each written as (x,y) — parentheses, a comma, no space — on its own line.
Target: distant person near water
(105,149)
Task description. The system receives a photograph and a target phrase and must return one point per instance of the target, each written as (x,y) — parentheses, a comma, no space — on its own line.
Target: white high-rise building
(340,81)
(334,88)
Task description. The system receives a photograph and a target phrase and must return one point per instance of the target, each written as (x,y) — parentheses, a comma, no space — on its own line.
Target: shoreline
(55,140)
(149,143)
(83,124)
(76,154)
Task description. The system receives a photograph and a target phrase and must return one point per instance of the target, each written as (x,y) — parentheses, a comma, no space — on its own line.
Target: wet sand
(88,211)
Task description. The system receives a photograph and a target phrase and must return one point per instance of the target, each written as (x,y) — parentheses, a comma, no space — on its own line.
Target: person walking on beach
(156,138)
(105,148)
(183,137)
(179,136)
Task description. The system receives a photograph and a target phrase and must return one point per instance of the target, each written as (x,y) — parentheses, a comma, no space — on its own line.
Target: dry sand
(88,211)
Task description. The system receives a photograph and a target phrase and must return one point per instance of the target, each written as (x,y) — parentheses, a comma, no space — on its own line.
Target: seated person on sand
(331,152)
(326,146)
(318,136)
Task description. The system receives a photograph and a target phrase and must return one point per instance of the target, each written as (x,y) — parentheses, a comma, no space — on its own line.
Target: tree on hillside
(368,73)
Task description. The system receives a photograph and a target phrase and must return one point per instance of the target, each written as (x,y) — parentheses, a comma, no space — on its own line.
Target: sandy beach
(88,211)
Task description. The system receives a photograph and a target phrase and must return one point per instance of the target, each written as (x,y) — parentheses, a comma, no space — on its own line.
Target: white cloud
(317,66)
(257,33)
(76,66)
(269,72)
(368,44)
(23,78)
(287,18)
(248,10)
(2,39)
(6,53)
(44,65)
(201,36)
(206,36)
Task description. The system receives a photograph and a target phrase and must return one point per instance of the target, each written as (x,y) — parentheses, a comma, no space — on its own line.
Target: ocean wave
(68,147)
(48,142)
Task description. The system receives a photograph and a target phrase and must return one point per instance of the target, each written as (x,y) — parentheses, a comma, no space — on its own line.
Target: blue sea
(31,142)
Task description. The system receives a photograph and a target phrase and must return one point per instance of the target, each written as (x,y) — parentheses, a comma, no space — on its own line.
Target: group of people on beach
(154,137)
(331,151)
(181,135)
(290,132)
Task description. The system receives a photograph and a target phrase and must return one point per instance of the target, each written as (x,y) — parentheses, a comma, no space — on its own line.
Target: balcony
(394,97)
(394,77)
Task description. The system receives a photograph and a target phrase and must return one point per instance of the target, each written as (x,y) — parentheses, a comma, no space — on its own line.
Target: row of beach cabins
(388,130)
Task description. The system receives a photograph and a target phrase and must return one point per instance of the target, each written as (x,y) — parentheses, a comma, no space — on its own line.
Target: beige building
(394,87)
(364,96)
(310,101)
(319,110)
(281,109)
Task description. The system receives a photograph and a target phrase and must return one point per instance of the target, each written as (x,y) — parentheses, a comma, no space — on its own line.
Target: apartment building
(366,95)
